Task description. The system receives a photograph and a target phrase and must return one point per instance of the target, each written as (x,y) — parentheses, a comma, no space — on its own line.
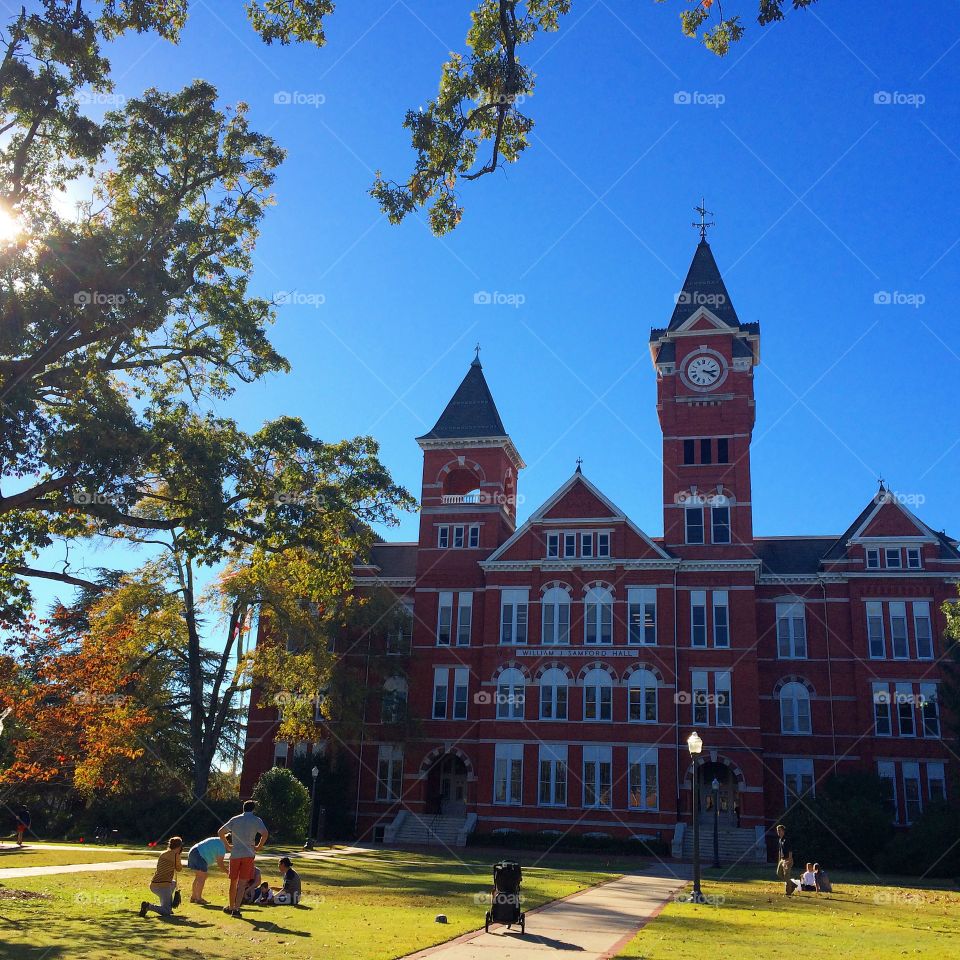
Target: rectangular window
(598,621)
(936,782)
(586,544)
(791,631)
(701,698)
(906,716)
(720,524)
(723,450)
(553,701)
(797,779)
(881,710)
(912,798)
(642,701)
(440,682)
(921,628)
(878,646)
(930,710)
(444,618)
(597,776)
(443,537)
(510,701)
(705,451)
(461,688)
(389,773)
(887,772)
(464,618)
(898,630)
(458,536)
(280,751)
(400,632)
(474,536)
(642,614)
(598,702)
(873,558)
(892,556)
(689,452)
(722,692)
(513,616)
(721,619)
(508,773)
(698,618)
(553,776)
(555,628)
(553,545)
(642,779)
(603,544)
(693,517)
(569,544)
(913,558)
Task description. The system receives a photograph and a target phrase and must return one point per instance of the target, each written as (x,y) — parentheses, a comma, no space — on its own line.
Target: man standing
(784,859)
(239,835)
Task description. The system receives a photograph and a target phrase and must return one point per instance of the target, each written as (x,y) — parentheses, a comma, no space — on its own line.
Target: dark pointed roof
(471,411)
(704,287)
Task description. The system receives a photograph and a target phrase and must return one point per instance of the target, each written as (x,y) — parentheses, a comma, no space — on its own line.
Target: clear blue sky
(822,197)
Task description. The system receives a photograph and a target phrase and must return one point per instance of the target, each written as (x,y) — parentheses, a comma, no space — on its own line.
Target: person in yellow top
(164,882)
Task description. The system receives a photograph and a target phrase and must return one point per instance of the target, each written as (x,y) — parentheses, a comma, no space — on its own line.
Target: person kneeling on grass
(200,858)
(164,882)
(290,893)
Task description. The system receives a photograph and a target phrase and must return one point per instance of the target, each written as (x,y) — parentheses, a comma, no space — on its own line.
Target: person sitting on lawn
(262,894)
(252,885)
(164,882)
(808,882)
(290,893)
(821,879)
(200,858)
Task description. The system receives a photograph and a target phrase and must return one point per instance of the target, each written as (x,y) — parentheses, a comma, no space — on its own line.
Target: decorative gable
(579,502)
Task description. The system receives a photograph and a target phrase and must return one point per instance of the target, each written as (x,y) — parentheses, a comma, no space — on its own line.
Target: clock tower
(704,360)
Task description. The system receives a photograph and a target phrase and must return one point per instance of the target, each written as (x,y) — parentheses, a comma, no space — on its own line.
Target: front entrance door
(453,786)
(725,797)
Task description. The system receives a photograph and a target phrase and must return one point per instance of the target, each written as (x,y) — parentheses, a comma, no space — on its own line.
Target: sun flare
(10,226)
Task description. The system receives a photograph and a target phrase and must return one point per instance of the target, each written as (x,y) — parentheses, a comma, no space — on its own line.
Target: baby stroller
(505,899)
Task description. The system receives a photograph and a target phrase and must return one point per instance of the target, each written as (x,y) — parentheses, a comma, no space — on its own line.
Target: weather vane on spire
(704,223)
(476,355)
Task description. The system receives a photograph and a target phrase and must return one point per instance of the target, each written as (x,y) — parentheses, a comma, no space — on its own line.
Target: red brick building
(557,668)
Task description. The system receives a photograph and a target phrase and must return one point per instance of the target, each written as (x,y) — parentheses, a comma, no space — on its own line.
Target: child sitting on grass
(164,882)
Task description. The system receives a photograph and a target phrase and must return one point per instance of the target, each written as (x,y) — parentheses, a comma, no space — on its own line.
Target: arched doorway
(726,796)
(447,786)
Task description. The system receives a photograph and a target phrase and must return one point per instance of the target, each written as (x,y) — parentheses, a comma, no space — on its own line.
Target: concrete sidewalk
(592,925)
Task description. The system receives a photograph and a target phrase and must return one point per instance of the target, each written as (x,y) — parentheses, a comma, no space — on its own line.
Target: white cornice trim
(460,443)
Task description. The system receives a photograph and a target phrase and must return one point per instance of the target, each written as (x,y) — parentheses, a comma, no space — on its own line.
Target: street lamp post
(716,823)
(315,772)
(695,745)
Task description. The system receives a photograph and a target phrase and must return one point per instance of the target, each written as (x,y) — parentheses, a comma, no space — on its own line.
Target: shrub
(336,784)
(283,804)
(928,848)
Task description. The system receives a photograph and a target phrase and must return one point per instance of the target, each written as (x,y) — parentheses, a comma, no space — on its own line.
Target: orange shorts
(241,868)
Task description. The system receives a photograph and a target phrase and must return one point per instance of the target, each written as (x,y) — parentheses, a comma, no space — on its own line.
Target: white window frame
(586,545)
(899,634)
(923,629)
(554,695)
(569,545)
(444,618)
(875,630)
(642,695)
(910,771)
(792,630)
(458,536)
(461,692)
(511,695)
(700,697)
(555,617)
(441,693)
(389,773)
(872,558)
(598,617)
(698,602)
(882,714)
(929,697)
(597,696)
(914,554)
(598,777)
(693,511)
(721,612)
(887,770)
(936,773)
(798,779)
(888,553)
(720,509)
(642,768)
(393,705)
(723,686)
(603,544)
(552,778)
(464,618)
(473,536)
(443,536)
(641,602)
(553,545)
(795,711)
(508,774)
(514,609)
(905,702)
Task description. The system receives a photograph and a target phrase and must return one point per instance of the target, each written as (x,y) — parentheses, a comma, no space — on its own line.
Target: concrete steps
(429,830)
(735,845)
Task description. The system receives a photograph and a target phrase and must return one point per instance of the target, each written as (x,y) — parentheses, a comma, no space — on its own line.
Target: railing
(449,498)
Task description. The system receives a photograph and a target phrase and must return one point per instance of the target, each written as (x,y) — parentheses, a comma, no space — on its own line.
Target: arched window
(597,695)
(794,708)
(394,703)
(556,616)
(642,687)
(553,695)
(598,621)
(510,695)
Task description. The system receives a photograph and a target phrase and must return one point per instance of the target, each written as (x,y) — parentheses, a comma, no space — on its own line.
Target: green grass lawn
(361,907)
(750,917)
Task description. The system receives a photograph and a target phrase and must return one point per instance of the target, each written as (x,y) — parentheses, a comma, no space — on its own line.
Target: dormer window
(893,558)
(873,558)
(913,558)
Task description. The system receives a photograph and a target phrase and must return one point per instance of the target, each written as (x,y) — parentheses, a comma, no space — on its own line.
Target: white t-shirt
(809,879)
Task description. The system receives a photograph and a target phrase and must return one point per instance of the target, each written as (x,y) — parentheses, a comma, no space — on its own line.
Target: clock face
(704,371)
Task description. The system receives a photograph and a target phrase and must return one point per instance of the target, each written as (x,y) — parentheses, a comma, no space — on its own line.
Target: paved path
(592,925)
